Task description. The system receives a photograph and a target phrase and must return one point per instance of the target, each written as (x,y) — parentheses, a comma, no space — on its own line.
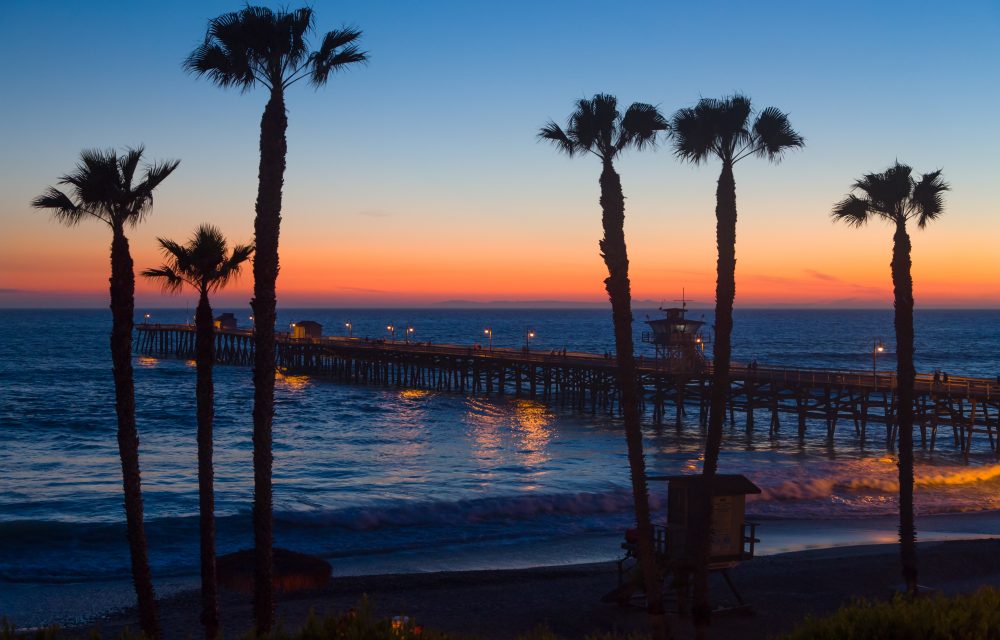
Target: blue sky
(429,150)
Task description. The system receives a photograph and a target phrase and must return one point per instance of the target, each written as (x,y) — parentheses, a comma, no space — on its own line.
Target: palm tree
(896,197)
(723,129)
(103,186)
(597,127)
(205,265)
(258,46)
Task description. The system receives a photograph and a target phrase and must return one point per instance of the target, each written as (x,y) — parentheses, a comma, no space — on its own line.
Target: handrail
(740,371)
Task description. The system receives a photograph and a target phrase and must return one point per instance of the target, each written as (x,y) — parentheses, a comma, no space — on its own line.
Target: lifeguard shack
(678,341)
(307,329)
(226,321)
(731,538)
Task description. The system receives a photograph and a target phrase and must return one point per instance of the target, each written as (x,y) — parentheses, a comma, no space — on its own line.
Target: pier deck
(968,408)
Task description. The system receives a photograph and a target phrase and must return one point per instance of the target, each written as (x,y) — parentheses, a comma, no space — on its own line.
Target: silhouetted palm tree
(895,197)
(103,186)
(205,265)
(724,129)
(597,127)
(258,46)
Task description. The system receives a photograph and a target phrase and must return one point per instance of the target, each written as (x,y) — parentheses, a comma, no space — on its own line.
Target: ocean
(381,480)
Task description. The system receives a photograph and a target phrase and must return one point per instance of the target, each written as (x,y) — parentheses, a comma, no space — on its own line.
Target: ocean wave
(822,487)
(402,513)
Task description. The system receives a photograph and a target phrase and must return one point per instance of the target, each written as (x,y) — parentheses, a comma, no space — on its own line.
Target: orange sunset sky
(418,179)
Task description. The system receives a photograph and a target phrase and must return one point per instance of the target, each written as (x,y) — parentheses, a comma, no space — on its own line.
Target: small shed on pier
(225,321)
(307,329)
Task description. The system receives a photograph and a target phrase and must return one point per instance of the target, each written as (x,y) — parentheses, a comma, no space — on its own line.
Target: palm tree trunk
(265,272)
(122,311)
(616,258)
(725,295)
(902,284)
(205,349)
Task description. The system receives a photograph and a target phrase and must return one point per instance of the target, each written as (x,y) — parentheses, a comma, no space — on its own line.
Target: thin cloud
(819,275)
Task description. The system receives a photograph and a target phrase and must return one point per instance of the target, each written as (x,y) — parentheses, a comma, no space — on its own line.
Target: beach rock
(293,571)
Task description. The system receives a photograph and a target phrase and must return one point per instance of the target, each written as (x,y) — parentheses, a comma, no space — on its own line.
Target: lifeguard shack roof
(308,323)
(724,484)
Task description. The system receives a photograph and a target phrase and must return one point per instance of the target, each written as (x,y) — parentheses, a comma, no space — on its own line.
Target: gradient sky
(418,178)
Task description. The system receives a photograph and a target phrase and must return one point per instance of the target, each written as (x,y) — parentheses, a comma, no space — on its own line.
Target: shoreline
(81,603)
(782,588)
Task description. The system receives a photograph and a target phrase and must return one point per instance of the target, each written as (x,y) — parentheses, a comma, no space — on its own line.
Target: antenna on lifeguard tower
(684,301)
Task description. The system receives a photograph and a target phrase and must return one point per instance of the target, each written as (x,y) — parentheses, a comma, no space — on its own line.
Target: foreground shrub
(360,623)
(974,616)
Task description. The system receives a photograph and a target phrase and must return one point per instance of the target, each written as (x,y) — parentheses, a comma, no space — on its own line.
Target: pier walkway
(967,409)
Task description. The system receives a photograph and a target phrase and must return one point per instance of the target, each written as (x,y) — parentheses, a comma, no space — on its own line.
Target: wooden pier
(966,411)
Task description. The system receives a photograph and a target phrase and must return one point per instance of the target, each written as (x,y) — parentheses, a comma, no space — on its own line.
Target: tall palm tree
(724,129)
(597,127)
(251,47)
(104,187)
(205,265)
(896,197)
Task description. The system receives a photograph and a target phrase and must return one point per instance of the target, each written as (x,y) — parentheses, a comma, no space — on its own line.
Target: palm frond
(694,133)
(169,280)
(582,126)
(732,117)
(225,55)
(175,253)
(605,122)
(889,191)
(852,210)
(62,208)
(554,133)
(928,197)
(140,199)
(101,186)
(96,180)
(774,135)
(338,50)
(231,268)
(640,126)
(128,163)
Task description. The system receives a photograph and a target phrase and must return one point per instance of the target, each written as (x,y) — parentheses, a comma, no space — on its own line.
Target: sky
(418,178)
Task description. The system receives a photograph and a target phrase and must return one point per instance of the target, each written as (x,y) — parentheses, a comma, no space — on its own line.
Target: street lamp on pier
(145,318)
(489,334)
(391,328)
(877,348)
(350,329)
(409,332)
(528,335)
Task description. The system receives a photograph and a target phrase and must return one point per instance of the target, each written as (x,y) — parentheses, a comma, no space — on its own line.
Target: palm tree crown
(895,196)
(103,185)
(258,45)
(722,128)
(204,263)
(598,127)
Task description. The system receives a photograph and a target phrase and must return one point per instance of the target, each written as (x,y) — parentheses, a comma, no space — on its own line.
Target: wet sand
(782,590)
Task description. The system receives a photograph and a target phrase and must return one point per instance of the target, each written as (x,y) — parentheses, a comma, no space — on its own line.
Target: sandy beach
(783,589)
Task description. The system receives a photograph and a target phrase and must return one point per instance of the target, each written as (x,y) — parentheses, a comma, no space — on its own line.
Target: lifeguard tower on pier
(678,341)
